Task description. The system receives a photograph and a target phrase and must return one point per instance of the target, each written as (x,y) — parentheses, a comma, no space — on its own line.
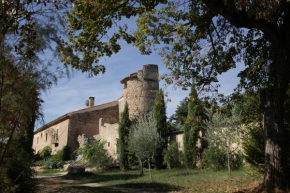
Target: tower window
(108,144)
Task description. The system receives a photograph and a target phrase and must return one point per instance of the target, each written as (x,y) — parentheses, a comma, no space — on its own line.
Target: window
(57,134)
(46,137)
(41,135)
(108,144)
(37,140)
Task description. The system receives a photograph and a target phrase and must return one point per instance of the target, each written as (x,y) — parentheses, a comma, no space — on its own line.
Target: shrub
(53,164)
(173,156)
(39,163)
(45,152)
(96,155)
(214,158)
(62,155)
(236,161)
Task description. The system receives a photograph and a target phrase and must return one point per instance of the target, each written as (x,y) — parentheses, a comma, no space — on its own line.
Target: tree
(225,133)
(144,139)
(203,39)
(19,108)
(192,129)
(180,115)
(159,109)
(253,140)
(96,154)
(27,31)
(124,126)
(172,156)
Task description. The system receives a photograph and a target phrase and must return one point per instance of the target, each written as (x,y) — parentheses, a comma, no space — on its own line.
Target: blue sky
(70,94)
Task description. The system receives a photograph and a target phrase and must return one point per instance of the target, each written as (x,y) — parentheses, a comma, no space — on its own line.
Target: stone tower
(139,90)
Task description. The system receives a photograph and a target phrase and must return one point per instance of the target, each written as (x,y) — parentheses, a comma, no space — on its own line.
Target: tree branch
(240,19)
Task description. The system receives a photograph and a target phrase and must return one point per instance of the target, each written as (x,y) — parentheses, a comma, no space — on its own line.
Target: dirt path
(56,184)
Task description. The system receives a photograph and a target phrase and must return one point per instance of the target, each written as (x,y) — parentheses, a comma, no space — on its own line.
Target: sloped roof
(66,116)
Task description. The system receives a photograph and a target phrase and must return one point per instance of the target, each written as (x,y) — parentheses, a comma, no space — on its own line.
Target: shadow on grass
(88,177)
(133,187)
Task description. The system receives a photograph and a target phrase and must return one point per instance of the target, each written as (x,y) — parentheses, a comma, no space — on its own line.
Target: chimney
(91,101)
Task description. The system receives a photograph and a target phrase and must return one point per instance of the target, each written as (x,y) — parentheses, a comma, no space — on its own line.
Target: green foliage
(215,159)
(144,138)
(52,163)
(159,109)
(173,157)
(181,113)
(27,30)
(253,140)
(122,143)
(62,155)
(96,155)
(45,152)
(192,128)
(94,19)
(225,132)
(254,146)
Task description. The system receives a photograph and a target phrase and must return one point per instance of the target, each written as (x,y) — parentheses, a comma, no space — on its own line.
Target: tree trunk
(272,106)
(149,165)
(229,163)
(141,167)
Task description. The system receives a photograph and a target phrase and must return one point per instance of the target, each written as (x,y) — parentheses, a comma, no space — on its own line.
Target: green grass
(179,180)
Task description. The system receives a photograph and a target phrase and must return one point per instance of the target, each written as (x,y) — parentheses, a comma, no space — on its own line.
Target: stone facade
(109,133)
(178,138)
(55,136)
(87,122)
(100,122)
(139,89)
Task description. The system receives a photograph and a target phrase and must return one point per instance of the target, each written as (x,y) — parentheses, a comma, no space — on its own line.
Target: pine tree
(160,116)
(191,129)
(124,125)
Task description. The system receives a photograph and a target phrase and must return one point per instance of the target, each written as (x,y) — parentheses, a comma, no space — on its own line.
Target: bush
(254,146)
(236,161)
(39,163)
(62,155)
(96,155)
(53,164)
(45,152)
(215,159)
(173,157)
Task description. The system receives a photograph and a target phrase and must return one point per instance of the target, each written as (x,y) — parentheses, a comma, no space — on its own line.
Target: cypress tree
(191,129)
(124,126)
(161,125)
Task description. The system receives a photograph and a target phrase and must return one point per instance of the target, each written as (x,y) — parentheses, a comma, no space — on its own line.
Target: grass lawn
(174,180)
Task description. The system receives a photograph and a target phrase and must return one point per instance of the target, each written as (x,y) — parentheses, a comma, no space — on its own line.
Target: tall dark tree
(180,115)
(19,108)
(124,126)
(202,39)
(161,125)
(192,128)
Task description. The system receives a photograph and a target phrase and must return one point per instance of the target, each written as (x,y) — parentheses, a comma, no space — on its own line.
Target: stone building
(100,122)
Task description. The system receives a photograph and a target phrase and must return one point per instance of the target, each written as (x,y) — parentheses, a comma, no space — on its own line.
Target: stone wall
(139,89)
(109,133)
(55,136)
(178,138)
(87,123)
